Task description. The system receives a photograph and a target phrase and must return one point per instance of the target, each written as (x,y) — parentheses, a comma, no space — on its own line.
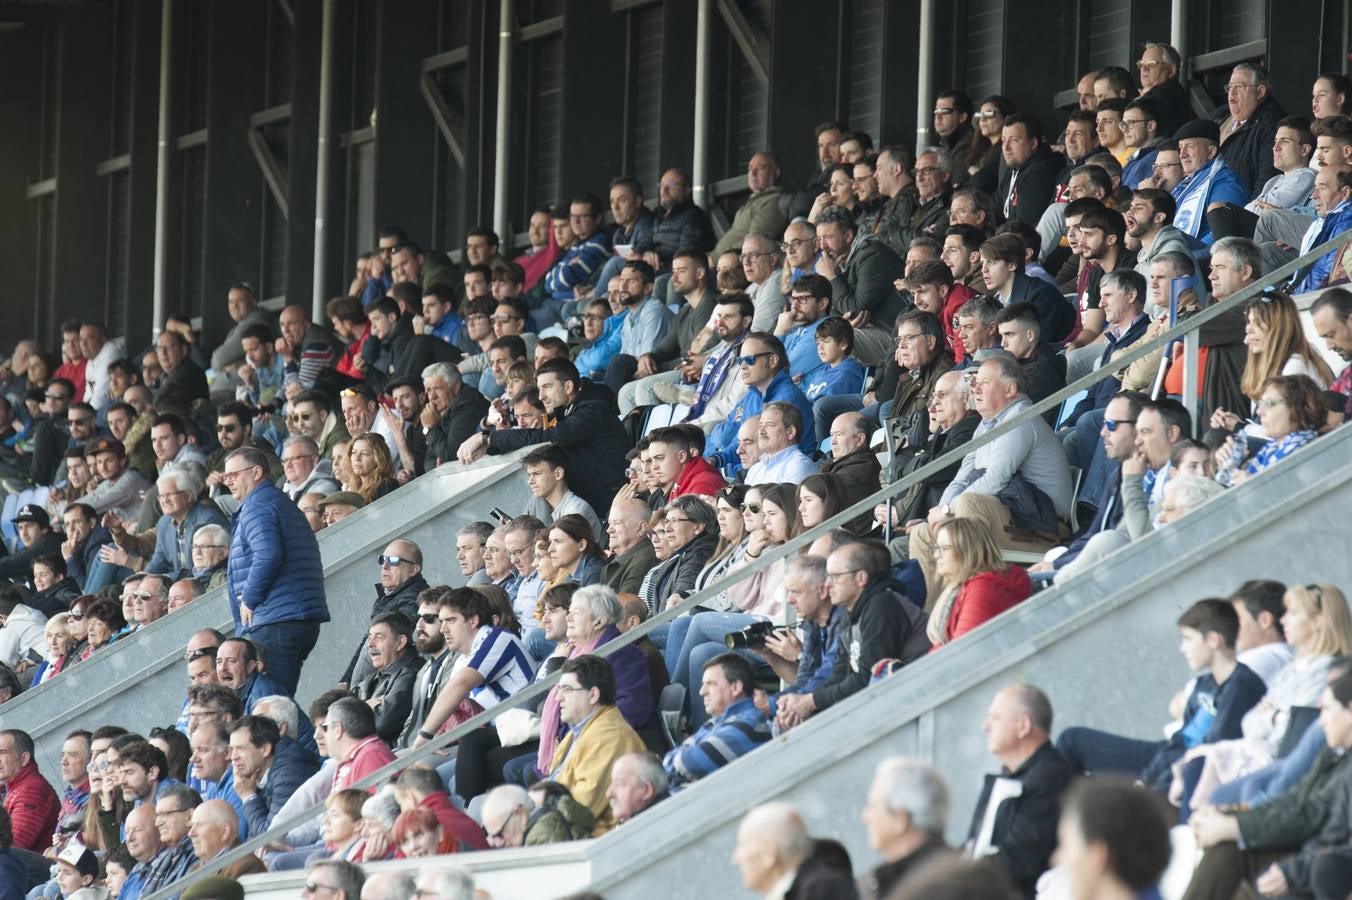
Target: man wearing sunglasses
(274,575)
(762,368)
(401,582)
(438,660)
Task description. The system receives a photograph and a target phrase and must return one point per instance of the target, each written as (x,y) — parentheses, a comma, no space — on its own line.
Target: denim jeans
(1098,752)
(286,645)
(102,574)
(692,642)
(1277,777)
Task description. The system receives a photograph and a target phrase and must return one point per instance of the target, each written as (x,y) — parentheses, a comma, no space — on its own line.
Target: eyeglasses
(298,457)
(228,429)
(592,317)
(199,653)
(1147,63)
(570,689)
(300,417)
(755,254)
(925,170)
(205,547)
(231,476)
(791,245)
(499,318)
(835,575)
(1165,165)
(1238,86)
(750,360)
(497,833)
(166,813)
(393,561)
(1265,403)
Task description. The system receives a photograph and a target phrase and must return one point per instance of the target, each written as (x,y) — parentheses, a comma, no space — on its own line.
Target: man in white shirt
(781,461)
(547,475)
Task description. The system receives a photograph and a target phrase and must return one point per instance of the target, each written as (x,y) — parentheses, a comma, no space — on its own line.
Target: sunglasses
(1111,425)
(393,561)
(428,618)
(751,360)
(753,508)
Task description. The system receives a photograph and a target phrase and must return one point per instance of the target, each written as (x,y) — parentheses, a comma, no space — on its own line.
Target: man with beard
(438,662)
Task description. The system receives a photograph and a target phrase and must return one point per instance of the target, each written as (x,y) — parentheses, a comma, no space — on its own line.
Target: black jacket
(1175,107)
(395,685)
(404,354)
(879,883)
(56,599)
(682,227)
(916,502)
(51,436)
(1055,314)
(678,573)
(1249,150)
(292,765)
(864,284)
(19,565)
(595,441)
(883,625)
(180,389)
(860,476)
(1226,358)
(402,599)
(460,421)
(1034,187)
(1045,376)
(1025,826)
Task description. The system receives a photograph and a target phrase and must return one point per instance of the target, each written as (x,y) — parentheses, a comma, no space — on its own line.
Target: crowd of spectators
(933,294)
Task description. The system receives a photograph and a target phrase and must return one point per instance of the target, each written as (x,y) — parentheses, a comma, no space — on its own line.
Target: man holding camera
(735,727)
(803,659)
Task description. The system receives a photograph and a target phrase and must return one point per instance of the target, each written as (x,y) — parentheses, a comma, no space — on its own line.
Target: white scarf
(1192,205)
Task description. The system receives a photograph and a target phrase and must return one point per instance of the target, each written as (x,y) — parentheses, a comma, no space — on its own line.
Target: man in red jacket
(421,786)
(679,463)
(31,802)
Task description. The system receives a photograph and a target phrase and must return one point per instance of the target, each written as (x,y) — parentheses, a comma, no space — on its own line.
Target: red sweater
(957,296)
(455,824)
(347,365)
(698,477)
(984,596)
(365,758)
(33,808)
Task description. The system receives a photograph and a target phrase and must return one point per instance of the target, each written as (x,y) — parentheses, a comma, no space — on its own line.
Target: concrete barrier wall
(140,682)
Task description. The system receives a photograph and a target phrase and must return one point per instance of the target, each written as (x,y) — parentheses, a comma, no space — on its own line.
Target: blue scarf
(1192,199)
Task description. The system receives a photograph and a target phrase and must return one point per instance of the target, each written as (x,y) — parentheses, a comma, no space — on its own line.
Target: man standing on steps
(274,576)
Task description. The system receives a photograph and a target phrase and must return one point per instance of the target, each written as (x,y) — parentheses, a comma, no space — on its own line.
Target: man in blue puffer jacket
(274,574)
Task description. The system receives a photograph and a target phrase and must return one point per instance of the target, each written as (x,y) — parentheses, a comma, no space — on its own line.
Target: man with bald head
(389,886)
(631,553)
(748,443)
(213,831)
(200,655)
(853,462)
(1023,827)
(183,592)
(401,580)
(762,211)
(637,782)
(774,852)
(143,843)
(305,346)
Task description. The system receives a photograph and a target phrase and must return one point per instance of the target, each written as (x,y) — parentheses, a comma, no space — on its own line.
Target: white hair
(780,825)
(445,371)
(915,788)
(450,883)
(184,476)
(1191,491)
(506,797)
(601,602)
(280,709)
(381,807)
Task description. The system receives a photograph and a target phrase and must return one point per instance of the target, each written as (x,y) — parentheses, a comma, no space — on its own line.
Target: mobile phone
(501,516)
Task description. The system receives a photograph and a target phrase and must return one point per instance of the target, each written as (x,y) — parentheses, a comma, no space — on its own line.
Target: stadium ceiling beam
(273,175)
(436,101)
(754,45)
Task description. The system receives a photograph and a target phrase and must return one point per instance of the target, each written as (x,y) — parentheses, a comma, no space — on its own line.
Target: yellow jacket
(586,768)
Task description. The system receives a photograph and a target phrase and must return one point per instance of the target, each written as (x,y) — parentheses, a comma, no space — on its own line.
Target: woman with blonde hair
(368,458)
(1318,626)
(977,584)
(1276,341)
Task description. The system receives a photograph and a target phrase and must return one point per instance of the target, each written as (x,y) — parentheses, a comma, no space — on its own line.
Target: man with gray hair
(861,270)
(637,782)
(448,883)
(933,179)
(1019,483)
(303,470)
(1017,829)
(451,414)
(180,490)
(469,552)
(773,851)
(905,814)
(761,262)
(389,886)
(335,878)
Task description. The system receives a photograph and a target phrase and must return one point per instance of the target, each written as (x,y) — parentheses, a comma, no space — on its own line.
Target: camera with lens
(752,637)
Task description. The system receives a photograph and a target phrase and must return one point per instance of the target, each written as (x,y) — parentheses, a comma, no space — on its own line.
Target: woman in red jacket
(977,584)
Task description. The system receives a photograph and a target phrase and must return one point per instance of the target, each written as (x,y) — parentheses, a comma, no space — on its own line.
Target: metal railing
(770,556)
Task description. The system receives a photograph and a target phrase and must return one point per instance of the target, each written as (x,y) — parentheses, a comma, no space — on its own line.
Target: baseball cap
(31,512)
(80,857)
(105,445)
(344,498)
